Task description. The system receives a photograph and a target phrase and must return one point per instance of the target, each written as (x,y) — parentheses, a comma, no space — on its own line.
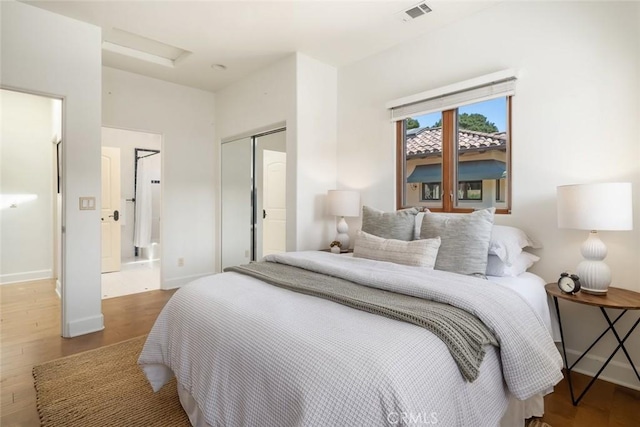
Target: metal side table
(617,298)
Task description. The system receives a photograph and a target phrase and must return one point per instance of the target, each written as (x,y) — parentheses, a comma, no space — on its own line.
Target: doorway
(138,204)
(253,197)
(31,188)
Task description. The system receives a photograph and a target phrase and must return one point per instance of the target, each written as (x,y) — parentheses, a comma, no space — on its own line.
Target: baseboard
(25,276)
(616,372)
(181,281)
(83,326)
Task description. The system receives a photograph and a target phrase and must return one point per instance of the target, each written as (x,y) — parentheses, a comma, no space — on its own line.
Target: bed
(248,353)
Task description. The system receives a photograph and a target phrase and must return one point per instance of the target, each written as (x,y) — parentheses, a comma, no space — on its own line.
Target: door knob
(264,214)
(115,216)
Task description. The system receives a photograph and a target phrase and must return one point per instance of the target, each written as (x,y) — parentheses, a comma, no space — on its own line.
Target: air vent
(414,12)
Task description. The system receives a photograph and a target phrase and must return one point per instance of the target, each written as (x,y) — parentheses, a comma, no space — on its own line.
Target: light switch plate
(87,203)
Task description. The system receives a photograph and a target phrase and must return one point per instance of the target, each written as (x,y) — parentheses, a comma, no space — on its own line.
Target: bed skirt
(517,411)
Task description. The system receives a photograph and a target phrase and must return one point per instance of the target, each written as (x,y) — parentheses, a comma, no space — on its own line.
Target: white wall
(51,54)
(184,117)
(26,168)
(316,102)
(575,119)
(299,92)
(128,141)
(261,101)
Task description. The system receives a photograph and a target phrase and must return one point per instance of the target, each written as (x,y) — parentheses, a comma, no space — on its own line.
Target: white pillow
(419,253)
(507,243)
(521,263)
(418,225)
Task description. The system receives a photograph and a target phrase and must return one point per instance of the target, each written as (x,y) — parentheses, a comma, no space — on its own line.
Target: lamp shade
(344,203)
(604,206)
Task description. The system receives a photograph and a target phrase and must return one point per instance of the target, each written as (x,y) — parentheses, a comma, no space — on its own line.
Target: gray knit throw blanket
(464,334)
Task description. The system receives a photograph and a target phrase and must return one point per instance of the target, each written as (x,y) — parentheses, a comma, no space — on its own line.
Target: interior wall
(317,151)
(262,101)
(575,120)
(50,54)
(298,92)
(184,117)
(26,170)
(128,141)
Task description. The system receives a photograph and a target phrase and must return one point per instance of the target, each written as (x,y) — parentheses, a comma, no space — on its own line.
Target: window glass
(481,161)
(423,147)
(469,144)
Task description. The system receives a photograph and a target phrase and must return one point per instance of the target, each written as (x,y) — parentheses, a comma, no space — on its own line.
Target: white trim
(86,325)
(181,281)
(59,288)
(616,372)
(25,276)
(474,90)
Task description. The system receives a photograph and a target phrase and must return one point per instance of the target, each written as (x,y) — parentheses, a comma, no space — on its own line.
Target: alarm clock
(569,283)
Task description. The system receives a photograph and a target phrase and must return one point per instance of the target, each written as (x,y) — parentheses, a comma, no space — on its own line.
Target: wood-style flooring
(30,335)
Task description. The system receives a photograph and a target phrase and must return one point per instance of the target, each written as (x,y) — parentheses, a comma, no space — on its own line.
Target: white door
(274,199)
(110,210)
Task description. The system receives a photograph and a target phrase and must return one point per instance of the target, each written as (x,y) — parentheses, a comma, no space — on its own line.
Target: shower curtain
(142,224)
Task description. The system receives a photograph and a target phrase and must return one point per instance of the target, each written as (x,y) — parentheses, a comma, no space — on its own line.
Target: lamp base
(343,236)
(594,274)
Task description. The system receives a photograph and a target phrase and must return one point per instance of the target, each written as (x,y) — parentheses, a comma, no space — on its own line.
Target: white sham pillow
(418,253)
(418,225)
(507,243)
(521,263)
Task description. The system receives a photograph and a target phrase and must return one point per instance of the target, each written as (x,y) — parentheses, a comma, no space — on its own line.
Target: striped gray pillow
(396,225)
(418,253)
(465,239)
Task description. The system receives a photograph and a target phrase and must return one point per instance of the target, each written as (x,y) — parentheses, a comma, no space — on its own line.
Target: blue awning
(476,170)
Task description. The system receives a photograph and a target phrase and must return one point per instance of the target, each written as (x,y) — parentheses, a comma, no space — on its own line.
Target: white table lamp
(343,203)
(605,206)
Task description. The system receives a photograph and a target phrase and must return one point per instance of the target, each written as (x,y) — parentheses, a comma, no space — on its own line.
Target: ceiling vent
(414,12)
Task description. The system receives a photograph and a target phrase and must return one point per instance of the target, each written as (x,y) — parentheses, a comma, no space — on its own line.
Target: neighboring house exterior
(481,167)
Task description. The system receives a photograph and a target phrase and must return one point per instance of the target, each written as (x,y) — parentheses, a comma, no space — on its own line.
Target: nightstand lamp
(343,203)
(604,206)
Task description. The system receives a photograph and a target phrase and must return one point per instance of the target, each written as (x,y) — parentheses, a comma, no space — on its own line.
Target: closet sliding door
(237,202)
(254,197)
(271,193)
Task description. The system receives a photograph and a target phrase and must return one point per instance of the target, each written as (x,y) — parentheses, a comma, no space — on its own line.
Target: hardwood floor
(30,335)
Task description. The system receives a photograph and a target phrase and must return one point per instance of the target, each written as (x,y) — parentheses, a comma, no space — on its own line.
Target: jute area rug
(104,387)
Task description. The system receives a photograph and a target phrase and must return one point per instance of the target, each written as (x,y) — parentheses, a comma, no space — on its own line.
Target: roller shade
(480,89)
(477,170)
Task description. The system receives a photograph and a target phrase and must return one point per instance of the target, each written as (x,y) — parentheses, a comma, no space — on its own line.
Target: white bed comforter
(257,355)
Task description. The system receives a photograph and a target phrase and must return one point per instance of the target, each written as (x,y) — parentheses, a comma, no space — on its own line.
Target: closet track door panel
(237,202)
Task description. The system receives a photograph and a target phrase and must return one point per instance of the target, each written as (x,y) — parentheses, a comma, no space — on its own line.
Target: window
(470,190)
(457,158)
(430,191)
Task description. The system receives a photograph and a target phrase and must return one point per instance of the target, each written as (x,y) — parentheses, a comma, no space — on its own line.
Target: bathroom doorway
(31,188)
(139,211)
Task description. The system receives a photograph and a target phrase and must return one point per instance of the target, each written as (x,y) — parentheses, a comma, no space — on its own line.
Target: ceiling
(246,36)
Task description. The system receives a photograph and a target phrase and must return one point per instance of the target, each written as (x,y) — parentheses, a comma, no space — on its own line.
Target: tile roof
(425,141)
